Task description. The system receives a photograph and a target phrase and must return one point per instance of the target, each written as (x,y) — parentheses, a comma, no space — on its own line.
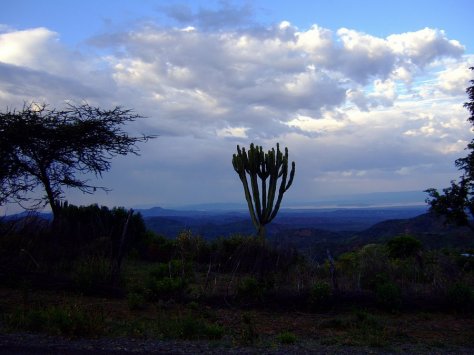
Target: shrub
(249,332)
(90,274)
(460,296)
(157,248)
(366,329)
(58,320)
(166,288)
(190,328)
(319,295)
(388,295)
(403,246)
(172,269)
(249,289)
(191,247)
(373,261)
(287,338)
(214,331)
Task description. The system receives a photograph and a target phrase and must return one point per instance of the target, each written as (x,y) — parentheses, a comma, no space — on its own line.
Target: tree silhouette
(456,202)
(51,148)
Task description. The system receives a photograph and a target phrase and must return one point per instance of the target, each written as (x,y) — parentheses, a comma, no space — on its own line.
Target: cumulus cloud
(351,106)
(35,66)
(454,79)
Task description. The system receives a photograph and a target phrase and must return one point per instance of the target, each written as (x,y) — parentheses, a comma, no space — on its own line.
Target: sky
(367,95)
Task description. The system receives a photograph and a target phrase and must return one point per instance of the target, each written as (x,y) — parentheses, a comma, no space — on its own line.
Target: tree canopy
(456,202)
(53,149)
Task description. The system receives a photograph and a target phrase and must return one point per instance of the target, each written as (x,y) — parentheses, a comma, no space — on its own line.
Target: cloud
(35,66)
(225,16)
(18,83)
(424,46)
(454,79)
(356,110)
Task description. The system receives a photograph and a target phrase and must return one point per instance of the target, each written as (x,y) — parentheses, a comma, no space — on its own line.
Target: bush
(91,274)
(319,295)
(460,296)
(191,328)
(403,246)
(373,261)
(287,338)
(166,288)
(191,247)
(249,332)
(388,295)
(173,269)
(157,248)
(58,320)
(250,290)
(214,331)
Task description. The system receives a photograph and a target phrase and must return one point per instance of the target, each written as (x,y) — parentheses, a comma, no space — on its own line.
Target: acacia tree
(263,166)
(53,149)
(456,202)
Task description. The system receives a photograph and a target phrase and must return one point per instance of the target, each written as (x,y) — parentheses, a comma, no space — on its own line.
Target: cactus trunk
(260,166)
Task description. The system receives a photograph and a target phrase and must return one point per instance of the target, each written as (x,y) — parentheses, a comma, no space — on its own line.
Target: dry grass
(363,328)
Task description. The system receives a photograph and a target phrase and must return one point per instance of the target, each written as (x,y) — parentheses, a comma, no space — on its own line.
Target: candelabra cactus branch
(260,194)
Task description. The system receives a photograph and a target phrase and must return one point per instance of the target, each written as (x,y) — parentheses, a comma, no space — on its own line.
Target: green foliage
(456,203)
(320,295)
(191,328)
(460,296)
(287,338)
(250,290)
(58,320)
(214,331)
(403,246)
(388,295)
(98,230)
(373,263)
(249,334)
(157,248)
(166,288)
(366,329)
(91,274)
(191,247)
(169,280)
(259,165)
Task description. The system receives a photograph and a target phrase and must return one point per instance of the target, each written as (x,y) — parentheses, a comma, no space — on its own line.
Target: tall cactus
(259,165)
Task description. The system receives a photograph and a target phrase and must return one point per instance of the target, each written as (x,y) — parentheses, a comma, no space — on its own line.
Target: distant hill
(428,228)
(212,224)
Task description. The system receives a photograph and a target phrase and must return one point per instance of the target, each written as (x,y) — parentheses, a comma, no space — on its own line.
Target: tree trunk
(261,232)
(117,260)
(53,203)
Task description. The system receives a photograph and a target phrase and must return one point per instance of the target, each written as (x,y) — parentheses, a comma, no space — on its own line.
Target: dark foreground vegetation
(96,272)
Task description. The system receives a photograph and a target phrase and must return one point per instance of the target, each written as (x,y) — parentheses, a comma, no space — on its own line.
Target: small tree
(49,148)
(456,202)
(259,165)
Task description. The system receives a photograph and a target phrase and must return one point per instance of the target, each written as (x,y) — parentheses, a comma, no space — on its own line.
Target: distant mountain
(365,200)
(212,224)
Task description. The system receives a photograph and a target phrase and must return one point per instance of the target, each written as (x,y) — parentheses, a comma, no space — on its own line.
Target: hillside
(316,231)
